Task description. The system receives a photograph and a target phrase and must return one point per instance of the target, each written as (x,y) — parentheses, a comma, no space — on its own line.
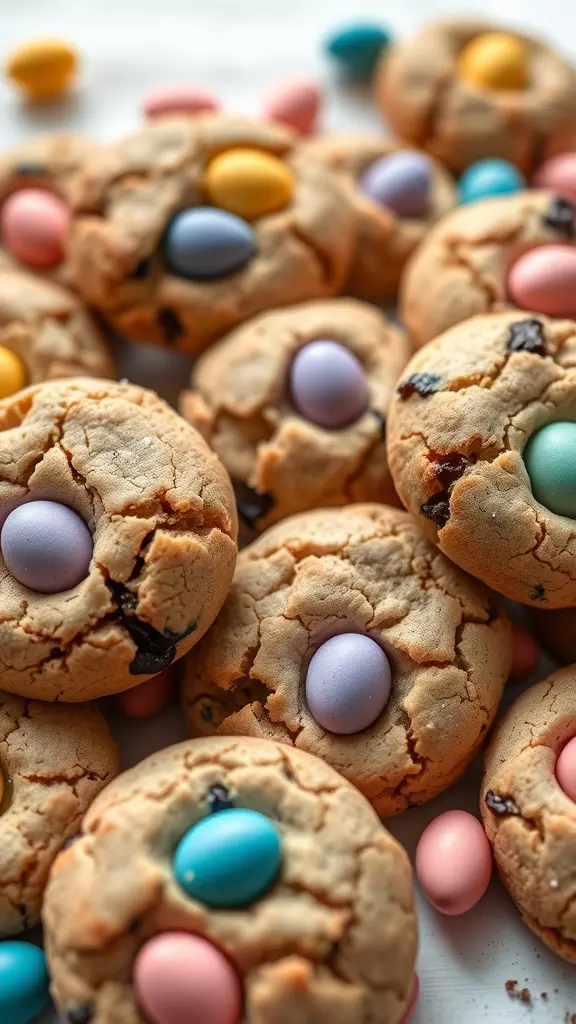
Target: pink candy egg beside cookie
(295,103)
(543,280)
(454,862)
(559,174)
(33,227)
(178,98)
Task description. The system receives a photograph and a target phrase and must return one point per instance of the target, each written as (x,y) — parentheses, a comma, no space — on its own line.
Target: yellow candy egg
(43,68)
(495,60)
(12,373)
(248,182)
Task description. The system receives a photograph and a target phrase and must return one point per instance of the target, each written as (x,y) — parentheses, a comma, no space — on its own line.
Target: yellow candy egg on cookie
(43,68)
(495,60)
(248,182)
(12,373)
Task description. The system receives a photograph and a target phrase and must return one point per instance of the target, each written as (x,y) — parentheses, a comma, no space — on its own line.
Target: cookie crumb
(501,804)
(523,994)
(423,384)
(544,995)
(527,336)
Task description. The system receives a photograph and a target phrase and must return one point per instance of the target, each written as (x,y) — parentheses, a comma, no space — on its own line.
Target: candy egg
(23,982)
(559,174)
(550,460)
(295,103)
(43,68)
(229,859)
(401,182)
(495,60)
(566,769)
(454,862)
(544,281)
(348,683)
(178,98)
(525,652)
(248,182)
(328,384)
(12,373)
(33,227)
(357,47)
(490,177)
(203,244)
(147,698)
(180,978)
(46,546)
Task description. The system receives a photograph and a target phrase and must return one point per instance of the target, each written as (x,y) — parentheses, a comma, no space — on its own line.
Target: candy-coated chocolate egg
(229,859)
(248,182)
(495,60)
(23,982)
(550,460)
(454,862)
(46,546)
(566,769)
(204,244)
(492,177)
(295,103)
(348,683)
(357,47)
(400,181)
(328,384)
(12,373)
(180,978)
(33,227)
(43,68)
(178,98)
(147,698)
(414,996)
(543,280)
(558,173)
(525,652)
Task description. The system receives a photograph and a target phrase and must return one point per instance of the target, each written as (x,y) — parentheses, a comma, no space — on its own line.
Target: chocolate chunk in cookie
(527,336)
(501,805)
(423,384)
(560,217)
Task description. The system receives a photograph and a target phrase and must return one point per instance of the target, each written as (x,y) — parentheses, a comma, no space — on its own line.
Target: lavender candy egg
(46,546)
(401,182)
(328,385)
(348,683)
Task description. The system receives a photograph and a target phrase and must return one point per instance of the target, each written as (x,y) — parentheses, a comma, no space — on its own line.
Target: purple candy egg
(348,683)
(401,182)
(46,546)
(328,384)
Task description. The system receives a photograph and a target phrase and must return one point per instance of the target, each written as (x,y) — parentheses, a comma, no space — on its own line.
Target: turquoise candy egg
(489,178)
(23,982)
(550,459)
(203,243)
(357,47)
(229,859)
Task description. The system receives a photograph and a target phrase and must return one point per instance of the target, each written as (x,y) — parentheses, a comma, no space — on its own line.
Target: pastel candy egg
(181,978)
(148,697)
(295,103)
(454,862)
(401,182)
(559,174)
(328,384)
(204,244)
(348,683)
(46,546)
(566,769)
(229,859)
(33,227)
(491,177)
(495,60)
(23,982)
(43,68)
(550,460)
(178,98)
(357,47)
(248,182)
(12,373)
(544,281)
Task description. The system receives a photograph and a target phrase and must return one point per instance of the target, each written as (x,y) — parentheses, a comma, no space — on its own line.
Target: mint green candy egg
(550,459)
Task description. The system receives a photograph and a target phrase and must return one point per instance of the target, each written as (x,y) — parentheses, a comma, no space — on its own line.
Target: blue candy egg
(229,859)
(489,178)
(23,982)
(357,47)
(204,243)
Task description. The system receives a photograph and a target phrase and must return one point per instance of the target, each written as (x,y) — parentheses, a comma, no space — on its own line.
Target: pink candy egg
(180,978)
(454,862)
(525,652)
(295,103)
(178,98)
(33,227)
(566,769)
(147,698)
(559,174)
(414,994)
(544,281)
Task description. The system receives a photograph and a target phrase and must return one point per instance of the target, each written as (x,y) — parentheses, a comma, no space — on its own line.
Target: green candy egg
(550,459)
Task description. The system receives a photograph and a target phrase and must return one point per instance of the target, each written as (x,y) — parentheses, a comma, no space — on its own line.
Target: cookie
(398,193)
(294,932)
(53,762)
(295,401)
(193,225)
(467,89)
(482,455)
(465,265)
(529,819)
(403,705)
(118,538)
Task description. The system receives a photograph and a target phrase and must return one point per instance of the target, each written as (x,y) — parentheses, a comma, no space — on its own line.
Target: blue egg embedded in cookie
(229,859)
(203,244)
(23,982)
(357,47)
(401,182)
(491,177)
(550,460)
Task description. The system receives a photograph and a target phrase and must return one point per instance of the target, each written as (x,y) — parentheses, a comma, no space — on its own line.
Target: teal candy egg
(229,859)
(486,178)
(23,982)
(550,459)
(357,47)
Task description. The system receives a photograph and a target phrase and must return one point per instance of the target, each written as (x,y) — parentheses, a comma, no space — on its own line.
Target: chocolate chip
(538,593)
(80,1014)
(437,508)
(155,650)
(527,336)
(141,270)
(449,468)
(252,505)
(30,170)
(219,798)
(170,324)
(502,805)
(381,420)
(424,384)
(560,217)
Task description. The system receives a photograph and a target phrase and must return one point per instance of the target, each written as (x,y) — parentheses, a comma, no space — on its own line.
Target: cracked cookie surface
(462,415)
(54,760)
(313,948)
(364,569)
(529,820)
(161,511)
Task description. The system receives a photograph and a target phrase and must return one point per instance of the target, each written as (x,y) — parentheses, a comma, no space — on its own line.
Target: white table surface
(236,48)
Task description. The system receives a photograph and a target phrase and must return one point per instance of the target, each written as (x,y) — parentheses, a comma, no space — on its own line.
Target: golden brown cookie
(529,820)
(364,570)
(242,400)
(513,97)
